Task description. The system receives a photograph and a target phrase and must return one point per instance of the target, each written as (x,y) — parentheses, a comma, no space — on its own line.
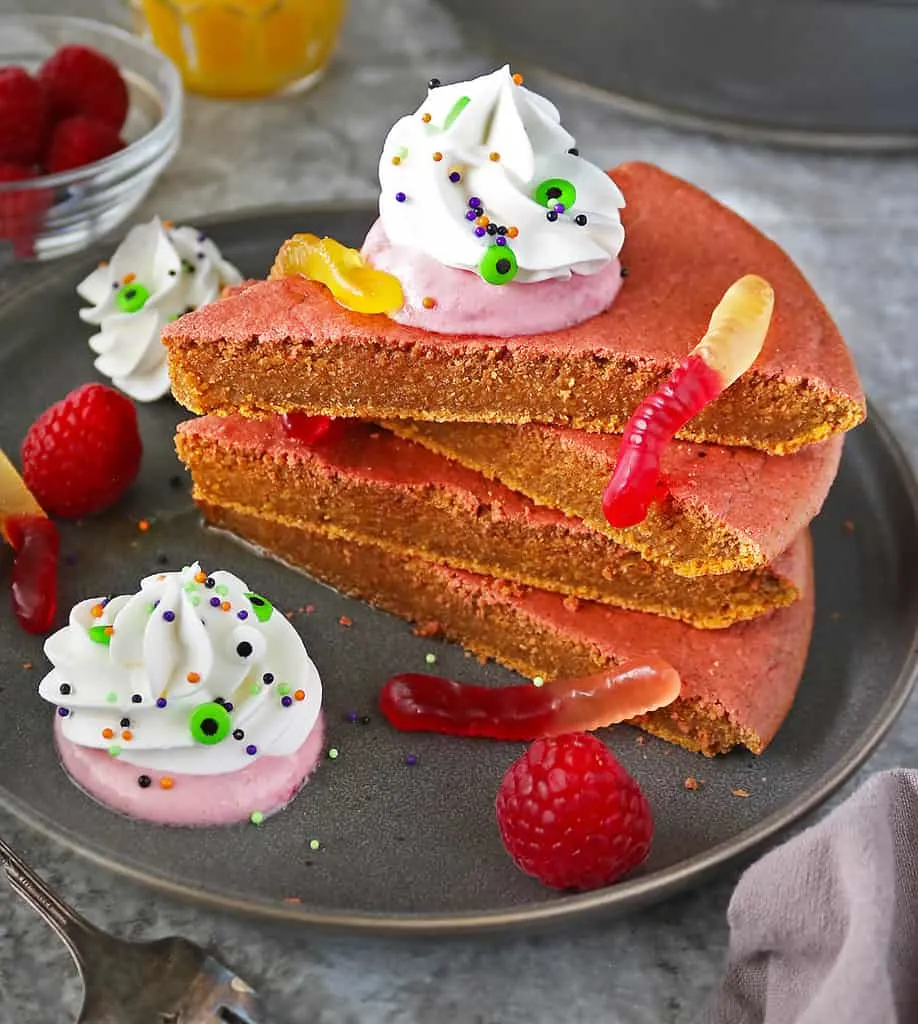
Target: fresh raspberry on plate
(79,80)
(23,117)
(570,815)
(78,141)
(21,211)
(83,452)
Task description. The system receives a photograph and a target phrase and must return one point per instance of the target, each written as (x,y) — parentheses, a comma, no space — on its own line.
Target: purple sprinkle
(400,197)
(251,750)
(411,760)
(500,240)
(471,215)
(169,616)
(63,712)
(242,615)
(474,202)
(352,716)
(455,176)
(286,701)
(560,207)
(202,237)
(480,232)
(215,602)
(227,705)
(160,702)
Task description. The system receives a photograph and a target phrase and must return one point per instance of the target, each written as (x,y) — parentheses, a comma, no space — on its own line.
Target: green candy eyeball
(261,606)
(131,298)
(555,190)
(498,265)
(210,723)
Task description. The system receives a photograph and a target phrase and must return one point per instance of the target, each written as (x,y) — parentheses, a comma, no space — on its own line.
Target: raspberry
(78,141)
(78,80)
(21,211)
(23,117)
(82,453)
(570,815)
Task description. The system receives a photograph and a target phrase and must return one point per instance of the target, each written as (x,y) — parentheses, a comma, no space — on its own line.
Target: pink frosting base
(267,785)
(465,304)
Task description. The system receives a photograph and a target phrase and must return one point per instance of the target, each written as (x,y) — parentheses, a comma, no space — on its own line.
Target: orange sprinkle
(483,221)
(103,263)
(345,621)
(107,734)
(143,525)
(299,695)
(161,576)
(428,302)
(425,118)
(193,677)
(127,735)
(494,157)
(437,157)
(512,232)
(166,783)
(225,607)
(128,278)
(109,630)
(96,611)
(396,160)
(200,577)
(517,79)
(168,224)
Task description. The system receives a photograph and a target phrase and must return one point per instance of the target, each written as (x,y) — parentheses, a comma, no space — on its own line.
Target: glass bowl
(55,214)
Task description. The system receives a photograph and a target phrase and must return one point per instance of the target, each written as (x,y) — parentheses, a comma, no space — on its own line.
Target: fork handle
(74,929)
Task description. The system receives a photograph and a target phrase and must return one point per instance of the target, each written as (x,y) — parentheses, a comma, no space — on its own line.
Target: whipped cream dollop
(193,674)
(484,172)
(157,273)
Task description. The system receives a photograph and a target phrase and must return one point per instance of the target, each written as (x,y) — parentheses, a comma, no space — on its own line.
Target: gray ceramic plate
(416,848)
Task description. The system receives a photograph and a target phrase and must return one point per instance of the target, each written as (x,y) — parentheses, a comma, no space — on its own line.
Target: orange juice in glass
(246,47)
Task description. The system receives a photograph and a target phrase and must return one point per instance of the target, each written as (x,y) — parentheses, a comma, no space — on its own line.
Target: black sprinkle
(238,734)
(210,583)
(268,678)
(66,688)
(624,271)
(702,455)
(364,719)
(244,649)
(125,723)
(144,781)
(574,151)
(434,83)
(136,699)
(176,482)
(491,229)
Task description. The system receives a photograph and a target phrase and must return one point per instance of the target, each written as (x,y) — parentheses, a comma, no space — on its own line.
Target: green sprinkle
(333,753)
(151,607)
(190,588)
(195,600)
(455,111)
(100,635)
(538,681)
(430,658)
(112,697)
(222,589)
(114,751)
(283,689)
(256,689)
(314,844)
(257,818)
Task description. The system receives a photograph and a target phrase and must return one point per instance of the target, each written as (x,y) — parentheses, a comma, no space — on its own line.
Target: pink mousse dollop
(267,785)
(464,303)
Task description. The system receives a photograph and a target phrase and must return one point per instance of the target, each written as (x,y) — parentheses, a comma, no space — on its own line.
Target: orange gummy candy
(344,272)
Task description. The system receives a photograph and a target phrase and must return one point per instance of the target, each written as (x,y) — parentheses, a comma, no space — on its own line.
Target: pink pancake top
(682,250)
(368,453)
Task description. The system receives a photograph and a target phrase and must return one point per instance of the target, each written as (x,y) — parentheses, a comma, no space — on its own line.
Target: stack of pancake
(461,484)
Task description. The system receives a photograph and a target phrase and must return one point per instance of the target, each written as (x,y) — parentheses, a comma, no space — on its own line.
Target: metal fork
(169,981)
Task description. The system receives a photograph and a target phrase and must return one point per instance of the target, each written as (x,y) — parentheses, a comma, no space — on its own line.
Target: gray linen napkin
(824,929)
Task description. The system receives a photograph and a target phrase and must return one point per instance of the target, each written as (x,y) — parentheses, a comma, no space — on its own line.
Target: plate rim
(620,897)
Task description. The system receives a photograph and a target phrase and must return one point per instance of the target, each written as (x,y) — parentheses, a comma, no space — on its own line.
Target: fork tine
(68,924)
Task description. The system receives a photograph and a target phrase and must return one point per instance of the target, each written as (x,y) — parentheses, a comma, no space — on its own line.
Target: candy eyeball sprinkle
(248,644)
(498,265)
(261,606)
(555,191)
(210,723)
(131,298)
